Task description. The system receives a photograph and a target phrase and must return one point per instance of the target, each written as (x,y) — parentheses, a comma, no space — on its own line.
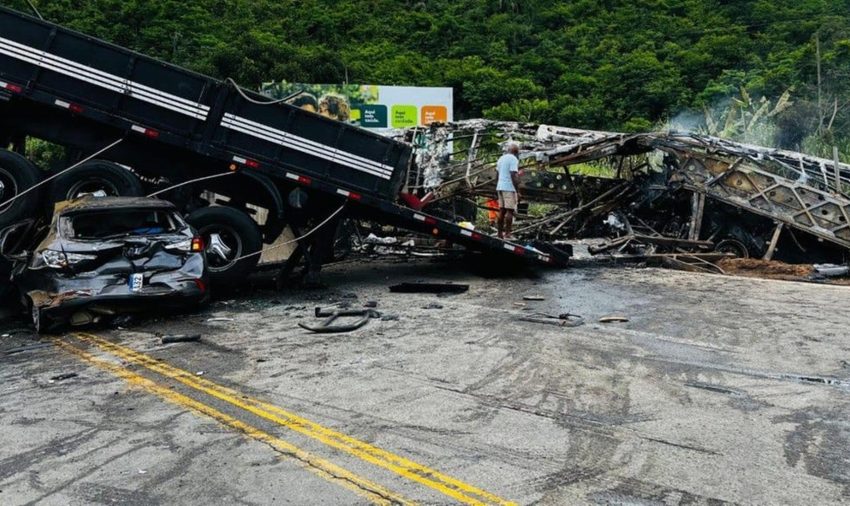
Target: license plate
(136,282)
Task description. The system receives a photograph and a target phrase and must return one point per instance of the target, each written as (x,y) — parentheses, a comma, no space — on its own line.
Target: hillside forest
(773,72)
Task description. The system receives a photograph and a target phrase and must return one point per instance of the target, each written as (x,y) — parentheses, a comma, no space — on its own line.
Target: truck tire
(228,234)
(16,175)
(94,176)
(734,246)
(344,241)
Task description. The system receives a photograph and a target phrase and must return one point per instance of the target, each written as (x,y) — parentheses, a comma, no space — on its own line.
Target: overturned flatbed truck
(164,125)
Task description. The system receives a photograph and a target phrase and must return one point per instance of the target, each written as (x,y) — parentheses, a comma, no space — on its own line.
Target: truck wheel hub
(218,247)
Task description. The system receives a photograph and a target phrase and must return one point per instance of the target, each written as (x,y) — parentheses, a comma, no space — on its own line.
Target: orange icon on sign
(434,113)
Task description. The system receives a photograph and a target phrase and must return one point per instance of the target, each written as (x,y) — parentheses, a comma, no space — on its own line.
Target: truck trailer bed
(69,88)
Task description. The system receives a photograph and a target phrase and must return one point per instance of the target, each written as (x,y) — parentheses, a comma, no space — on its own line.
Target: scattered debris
(429,288)
(371,304)
(561,320)
(650,193)
(122,321)
(64,376)
(180,338)
(14,332)
(690,263)
(714,388)
(433,305)
(614,319)
(770,269)
(389,318)
(331,315)
(31,347)
(831,270)
(373,239)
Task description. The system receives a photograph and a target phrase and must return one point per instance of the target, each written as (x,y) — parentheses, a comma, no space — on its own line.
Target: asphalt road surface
(717,390)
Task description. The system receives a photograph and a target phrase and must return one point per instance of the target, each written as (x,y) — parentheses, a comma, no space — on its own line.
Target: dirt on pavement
(718,389)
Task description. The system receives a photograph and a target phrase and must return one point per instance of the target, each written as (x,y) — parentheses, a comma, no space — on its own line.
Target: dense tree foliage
(606,64)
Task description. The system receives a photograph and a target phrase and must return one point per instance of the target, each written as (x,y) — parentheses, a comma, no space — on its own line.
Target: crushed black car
(101,257)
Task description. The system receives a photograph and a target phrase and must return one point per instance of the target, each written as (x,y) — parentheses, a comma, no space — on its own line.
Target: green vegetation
(603,64)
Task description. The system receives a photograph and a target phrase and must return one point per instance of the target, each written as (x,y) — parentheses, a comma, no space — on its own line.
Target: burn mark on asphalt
(820,439)
(632,491)
(15,464)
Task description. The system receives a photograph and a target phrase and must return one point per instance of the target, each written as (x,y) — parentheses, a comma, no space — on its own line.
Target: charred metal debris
(691,199)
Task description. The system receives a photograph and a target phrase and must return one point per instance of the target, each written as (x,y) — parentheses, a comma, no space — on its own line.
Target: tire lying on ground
(17,174)
(94,177)
(228,234)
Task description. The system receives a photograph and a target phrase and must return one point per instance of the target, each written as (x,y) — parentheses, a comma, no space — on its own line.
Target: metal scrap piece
(429,288)
(326,327)
(561,320)
(614,319)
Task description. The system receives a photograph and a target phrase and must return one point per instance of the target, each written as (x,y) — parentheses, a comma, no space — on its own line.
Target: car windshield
(103,224)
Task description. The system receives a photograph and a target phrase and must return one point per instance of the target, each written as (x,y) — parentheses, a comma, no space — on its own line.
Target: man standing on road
(508,189)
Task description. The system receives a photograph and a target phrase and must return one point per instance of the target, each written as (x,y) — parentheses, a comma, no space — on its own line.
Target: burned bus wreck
(649,193)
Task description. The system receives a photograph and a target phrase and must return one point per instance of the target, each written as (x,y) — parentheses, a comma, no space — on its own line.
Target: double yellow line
(375,493)
(399,465)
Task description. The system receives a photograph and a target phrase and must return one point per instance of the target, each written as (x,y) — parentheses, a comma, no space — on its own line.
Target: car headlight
(58,259)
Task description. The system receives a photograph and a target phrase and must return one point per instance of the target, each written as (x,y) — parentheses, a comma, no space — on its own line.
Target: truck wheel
(734,246)
(96,177)
(228,234)
(343,242)
(16,175)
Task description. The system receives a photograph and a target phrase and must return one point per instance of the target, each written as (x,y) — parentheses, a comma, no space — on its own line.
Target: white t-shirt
(507,164)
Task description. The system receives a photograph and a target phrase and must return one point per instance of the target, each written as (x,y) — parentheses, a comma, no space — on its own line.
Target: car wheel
(229,234)
(17,174)
(96,177)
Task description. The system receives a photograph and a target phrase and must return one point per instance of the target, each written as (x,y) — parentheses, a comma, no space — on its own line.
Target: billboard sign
(370,106)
